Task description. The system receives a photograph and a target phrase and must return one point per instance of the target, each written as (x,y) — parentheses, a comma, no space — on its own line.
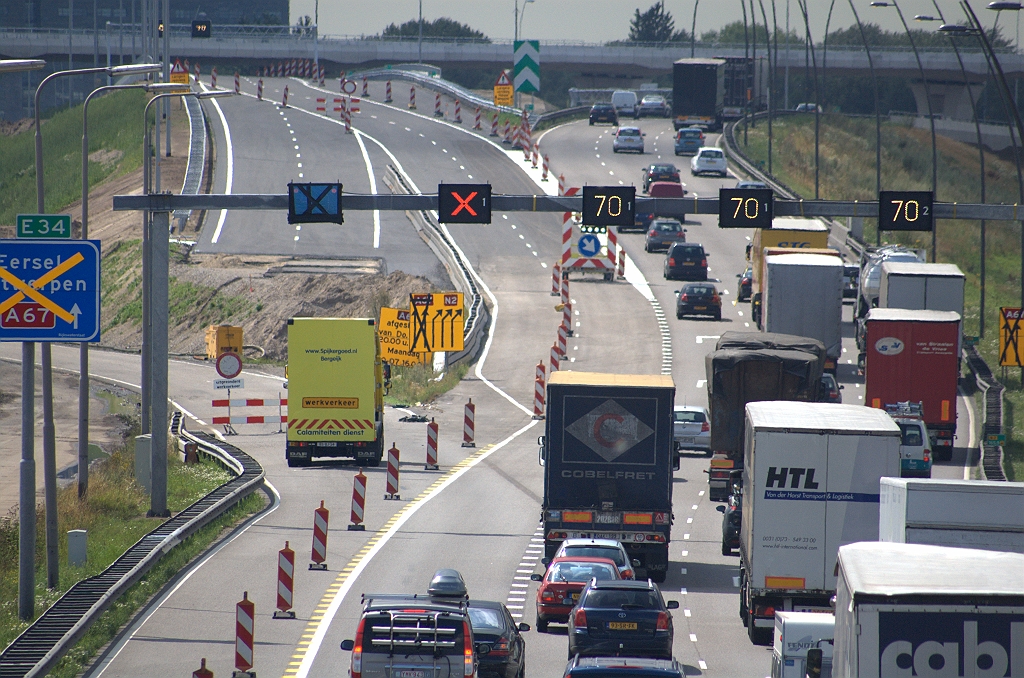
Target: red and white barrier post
(535,156)
(196,72)
(321,105)
(553,359)
(322,73)
(458,111)
(284,98)
(565,287)
(431,464)
(544,168)
(358,501)
(469,425)
(556,278)
(392,481)
(538,397)
(277,70)
(245,621)
(321,518)
(540,371)
(437,105)
(622,262)
(508,132)
(285,583)
(613,248)
(567,318)
(563,337)
(366,88)
(202,671)
(476,119)
(213,78)
(238,84)
(259,89)
(494,125)
(561,184)
(412,98)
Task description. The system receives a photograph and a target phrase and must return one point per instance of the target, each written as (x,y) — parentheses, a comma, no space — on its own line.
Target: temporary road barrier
(553,362)
(202,671)
(540,371)
(213,78)
(567,317)
(277,70)
(469,425)
(535,158)
(556,278)
(458,111)
(358,501)
(565,287)
(561,184)
(387,92)
(231,419)
(476,119)
(437,105)
(285,583)
(579,262)
(238,84)
(284,98)
(392,481)
(412,98)
(321,105)
(245,619)
(538,398)
(508,132)
(622,263)
(366,88)
(613,247)
(321,518)
(563,339)
(322,74)
(494,125)
(544,168)
(197,72)
(431,447)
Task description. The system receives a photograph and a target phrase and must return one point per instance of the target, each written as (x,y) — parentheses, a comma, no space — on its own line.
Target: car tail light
(627,574)
(671,261)
(715,299)
(685,297)
(579,619)
(357,651)
(662,622)
(705,427)
(467,635)
(652,233)
(704,262)
(499,649)
(548,596)
(927,455)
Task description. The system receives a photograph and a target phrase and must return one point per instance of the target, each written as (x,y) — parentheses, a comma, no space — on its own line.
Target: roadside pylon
(622,263)
(567,318)
(563,338)
(392,484)
(494,125)
(412,98)
(259,89)
(358,501)
(238,84)
(202,671)
(387,92)
(245,630)
(561,184)
(540,371)
(437,105)
(613,248)
(556,277)
(535,156)
(458,111)
(284,98)
(469,425)
(213,78)
(431,464)
(538,398)
(565,288)
(508,132)
(553,362)
(366,88)
(476,120)
(321,518)
(323,72)
(544,168)
(285,583)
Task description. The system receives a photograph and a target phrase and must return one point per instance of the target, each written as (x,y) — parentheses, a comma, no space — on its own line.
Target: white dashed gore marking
(693,637)
(685,553)
(686,613)
(693,508)
(703,666)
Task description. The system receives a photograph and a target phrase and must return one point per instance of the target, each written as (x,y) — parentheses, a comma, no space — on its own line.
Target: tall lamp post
(693,29)
(26,595)
(928,103)
(802,4)
(878,117)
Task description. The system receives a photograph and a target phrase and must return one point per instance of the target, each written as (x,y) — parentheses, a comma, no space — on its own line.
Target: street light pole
(693,29)
(878,117)
(802,4)
(419,41)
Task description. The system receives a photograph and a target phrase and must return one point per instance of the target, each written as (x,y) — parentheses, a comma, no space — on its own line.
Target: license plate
(688,263)
(686,440)
(408,674)
(622,626)
(700,308)
(571,601)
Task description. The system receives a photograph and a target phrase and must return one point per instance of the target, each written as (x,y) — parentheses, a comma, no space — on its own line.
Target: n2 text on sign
(50,291)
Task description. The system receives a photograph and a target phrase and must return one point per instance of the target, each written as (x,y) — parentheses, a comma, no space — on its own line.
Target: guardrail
(992,417)
(478,319)
(54,633)
(434,84)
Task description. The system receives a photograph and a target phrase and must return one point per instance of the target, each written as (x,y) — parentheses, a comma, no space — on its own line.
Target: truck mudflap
(720,473)
(941,437)
(367,453)
(758,606)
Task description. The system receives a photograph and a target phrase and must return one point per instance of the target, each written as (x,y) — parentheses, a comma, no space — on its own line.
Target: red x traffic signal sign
(464,203)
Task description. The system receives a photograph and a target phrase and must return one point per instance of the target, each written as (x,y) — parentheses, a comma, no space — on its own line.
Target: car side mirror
(841,387)
(536,577)
(347,645)
(720,508)
(635,562)
(483,648)
(738,275)
(545,561)
(524,627)
(672,605)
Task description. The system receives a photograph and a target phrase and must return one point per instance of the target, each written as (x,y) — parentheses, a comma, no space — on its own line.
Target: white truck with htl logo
(916,610)
(811,478)
(607,452)
(335,390)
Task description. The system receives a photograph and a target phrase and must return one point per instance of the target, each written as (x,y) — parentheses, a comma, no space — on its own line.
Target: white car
(598,548)
(691,428)
(710,159)
(628,139)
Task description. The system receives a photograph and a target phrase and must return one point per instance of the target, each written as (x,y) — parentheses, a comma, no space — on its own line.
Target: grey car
(662,233)
(628,139)
(691,428)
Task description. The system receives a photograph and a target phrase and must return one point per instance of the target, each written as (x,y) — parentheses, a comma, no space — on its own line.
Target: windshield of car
(911,435)
(699,290)
(663,169)
(581,572)
(623,598)
(711,153)
(629,132)
(610,552)
(668,226)
(688,252)
(689,416)
(689,134)
(602,108)
(485,617)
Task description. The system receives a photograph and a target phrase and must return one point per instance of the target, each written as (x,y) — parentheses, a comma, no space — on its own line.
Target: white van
(797,632)
(625,103)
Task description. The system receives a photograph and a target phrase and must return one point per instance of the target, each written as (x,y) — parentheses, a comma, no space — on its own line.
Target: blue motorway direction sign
(588,245)
(50,290)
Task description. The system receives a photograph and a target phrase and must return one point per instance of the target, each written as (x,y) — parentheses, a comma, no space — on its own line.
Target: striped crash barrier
(230,403)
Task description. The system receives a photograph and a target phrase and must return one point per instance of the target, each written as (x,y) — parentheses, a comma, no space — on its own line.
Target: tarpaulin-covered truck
(335,390)
(698,91)
(607,452)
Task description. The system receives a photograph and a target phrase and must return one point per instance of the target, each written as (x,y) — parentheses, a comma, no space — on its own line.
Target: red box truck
(912,356)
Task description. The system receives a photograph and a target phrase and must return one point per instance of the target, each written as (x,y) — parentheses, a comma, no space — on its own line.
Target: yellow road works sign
(396,339)
(437,321)
(503,92)
(179,76)
(1010,349)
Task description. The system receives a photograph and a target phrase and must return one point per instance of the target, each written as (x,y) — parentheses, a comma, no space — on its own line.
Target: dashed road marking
(686,613)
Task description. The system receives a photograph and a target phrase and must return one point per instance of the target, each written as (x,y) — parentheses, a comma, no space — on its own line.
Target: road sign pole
(27,505)
(50,476)
(160,270)
(146,265)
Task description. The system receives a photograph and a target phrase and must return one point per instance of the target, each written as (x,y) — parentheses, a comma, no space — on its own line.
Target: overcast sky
(602,20)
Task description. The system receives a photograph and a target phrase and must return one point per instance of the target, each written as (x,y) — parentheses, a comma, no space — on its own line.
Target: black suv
(603,113)
(686,261)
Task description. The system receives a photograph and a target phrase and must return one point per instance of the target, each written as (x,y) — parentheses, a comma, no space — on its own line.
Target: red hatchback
(562,584)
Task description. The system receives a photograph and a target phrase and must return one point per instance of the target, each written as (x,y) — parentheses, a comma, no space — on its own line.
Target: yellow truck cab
(335,390)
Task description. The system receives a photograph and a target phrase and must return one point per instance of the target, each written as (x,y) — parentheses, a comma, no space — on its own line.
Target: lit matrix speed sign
(438,322)
(396,339)
(905,211)
(609,205)
(464,203)
(50,291)
(745,207)
(314,203)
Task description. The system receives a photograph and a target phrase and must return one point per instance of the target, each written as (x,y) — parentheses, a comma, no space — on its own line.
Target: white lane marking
(682,570)
(521,585)
(701,383)
(701,493)
(693,508)
(702,337)
(332,610)
(686,536)
(693,637)
(702,665)
(514,607)
(520,579)
(736,582)
(531,558)
(406,129)
(525,571)
(682,591)
(739,313)
(689,520)
(685,553)
(230,175)
(686,612)
(373,186)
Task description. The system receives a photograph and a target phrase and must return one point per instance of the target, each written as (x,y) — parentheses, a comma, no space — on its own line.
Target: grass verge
(847,171)
(419,384)
(114,513)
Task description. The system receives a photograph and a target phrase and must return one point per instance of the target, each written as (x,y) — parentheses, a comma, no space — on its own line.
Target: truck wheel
(726,549)
(657,576)
(542,625)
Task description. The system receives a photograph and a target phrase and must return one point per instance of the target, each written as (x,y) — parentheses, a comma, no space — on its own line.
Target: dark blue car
(625,618)
(623,667)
